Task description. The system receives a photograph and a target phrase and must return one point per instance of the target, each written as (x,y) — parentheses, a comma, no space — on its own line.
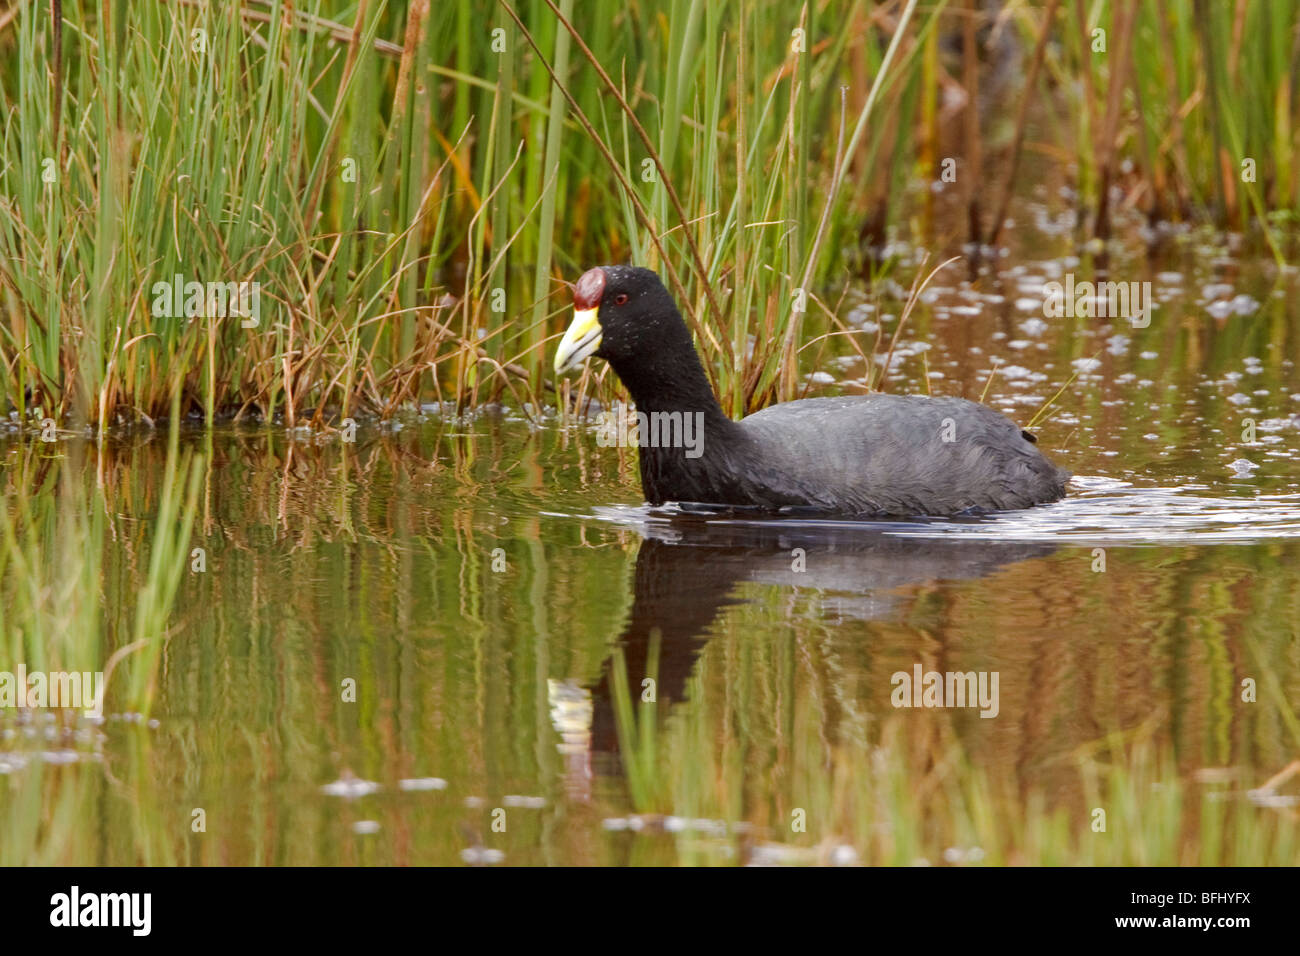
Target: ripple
(1098,510)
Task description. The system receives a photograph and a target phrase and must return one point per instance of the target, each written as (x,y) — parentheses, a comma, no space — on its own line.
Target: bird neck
(667,377)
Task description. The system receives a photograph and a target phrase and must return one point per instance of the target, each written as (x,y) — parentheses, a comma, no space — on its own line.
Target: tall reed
(411,184)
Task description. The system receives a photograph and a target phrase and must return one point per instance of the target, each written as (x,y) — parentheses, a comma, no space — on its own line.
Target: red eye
(620,299)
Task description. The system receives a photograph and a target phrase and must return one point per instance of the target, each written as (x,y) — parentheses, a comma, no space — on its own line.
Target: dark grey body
(865,455)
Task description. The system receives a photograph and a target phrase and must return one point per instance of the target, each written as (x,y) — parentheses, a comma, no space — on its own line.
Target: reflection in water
(688,568)
(450,579)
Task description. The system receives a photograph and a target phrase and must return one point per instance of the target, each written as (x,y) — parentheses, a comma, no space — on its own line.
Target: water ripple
(1097,511)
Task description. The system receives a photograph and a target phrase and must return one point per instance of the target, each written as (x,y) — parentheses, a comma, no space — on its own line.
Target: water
(403,645)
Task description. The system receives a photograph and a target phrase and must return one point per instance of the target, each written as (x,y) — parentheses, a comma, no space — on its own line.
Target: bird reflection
(689,568)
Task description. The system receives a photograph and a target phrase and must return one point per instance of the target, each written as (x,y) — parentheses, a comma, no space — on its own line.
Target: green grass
(1191,93)
(412,183)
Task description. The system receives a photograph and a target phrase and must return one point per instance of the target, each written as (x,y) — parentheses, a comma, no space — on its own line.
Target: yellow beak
(580,341)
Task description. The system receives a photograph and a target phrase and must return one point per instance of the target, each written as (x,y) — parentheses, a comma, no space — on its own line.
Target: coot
(869,455)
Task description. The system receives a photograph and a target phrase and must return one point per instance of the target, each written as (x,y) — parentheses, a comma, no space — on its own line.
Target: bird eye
(620,299)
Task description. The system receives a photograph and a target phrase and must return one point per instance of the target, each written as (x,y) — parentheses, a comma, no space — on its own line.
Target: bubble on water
(350,787)
(1244,305)
(1276,801)
(64,756)
(716,828)
(1242,467)
(1237,398)
(844,855)
(1219,310)
(527,803)
(958,855)
(1013,373)
(481,855)
(9,763)
(1277,424)
(422,783)
(779,854)
(1148,355)
(365,827)
(1033,327)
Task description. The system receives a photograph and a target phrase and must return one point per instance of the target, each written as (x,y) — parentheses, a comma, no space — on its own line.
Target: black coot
(880,455)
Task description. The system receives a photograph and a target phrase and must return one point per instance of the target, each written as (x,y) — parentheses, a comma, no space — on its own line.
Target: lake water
(430,646)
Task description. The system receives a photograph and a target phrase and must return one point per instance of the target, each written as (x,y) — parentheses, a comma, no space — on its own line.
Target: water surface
(493,589)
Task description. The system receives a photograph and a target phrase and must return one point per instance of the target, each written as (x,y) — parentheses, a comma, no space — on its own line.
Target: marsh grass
(411,184)
(1188,93)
